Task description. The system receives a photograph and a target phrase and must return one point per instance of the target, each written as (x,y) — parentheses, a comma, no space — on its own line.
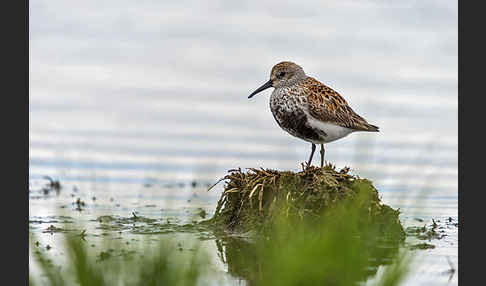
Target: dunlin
(310,110)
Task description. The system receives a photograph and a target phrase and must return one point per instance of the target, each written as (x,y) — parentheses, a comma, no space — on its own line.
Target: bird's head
(283,74)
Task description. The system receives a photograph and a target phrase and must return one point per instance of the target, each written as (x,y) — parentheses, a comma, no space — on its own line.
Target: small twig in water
(451,271)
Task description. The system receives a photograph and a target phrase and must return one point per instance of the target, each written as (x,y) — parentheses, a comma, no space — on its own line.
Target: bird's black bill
(261,88)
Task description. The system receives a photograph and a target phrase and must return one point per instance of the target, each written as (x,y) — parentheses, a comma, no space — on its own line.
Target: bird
(310,110)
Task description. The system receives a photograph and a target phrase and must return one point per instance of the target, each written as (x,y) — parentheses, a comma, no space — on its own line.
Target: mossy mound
(254,199)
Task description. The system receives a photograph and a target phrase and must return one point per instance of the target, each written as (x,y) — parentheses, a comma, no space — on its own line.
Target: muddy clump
(254,200)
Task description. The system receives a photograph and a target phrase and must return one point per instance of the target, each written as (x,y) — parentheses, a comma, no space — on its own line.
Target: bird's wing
(327,105)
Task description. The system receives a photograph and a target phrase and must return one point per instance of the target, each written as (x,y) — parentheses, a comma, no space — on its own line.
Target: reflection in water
(241,257)
(246,260)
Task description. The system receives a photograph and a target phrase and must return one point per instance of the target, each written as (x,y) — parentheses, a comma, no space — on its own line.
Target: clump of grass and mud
(254,200)
(306,226)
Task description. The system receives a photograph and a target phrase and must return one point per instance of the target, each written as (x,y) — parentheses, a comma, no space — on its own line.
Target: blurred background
(125,92)
(141,105)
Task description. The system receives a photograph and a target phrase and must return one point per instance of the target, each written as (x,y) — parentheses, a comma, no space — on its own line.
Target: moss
(255,199)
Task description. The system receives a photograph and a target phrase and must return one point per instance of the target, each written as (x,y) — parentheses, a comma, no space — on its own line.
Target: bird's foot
(323,164)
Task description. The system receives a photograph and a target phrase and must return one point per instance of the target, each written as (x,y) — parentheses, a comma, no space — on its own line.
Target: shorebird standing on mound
(310,110)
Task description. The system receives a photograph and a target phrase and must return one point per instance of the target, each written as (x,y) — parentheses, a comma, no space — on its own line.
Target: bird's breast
(288,98)
(290,112)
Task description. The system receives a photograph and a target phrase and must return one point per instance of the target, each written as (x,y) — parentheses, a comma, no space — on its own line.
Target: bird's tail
(372,128)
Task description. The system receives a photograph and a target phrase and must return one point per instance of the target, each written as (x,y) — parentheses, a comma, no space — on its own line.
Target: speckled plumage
(308,109)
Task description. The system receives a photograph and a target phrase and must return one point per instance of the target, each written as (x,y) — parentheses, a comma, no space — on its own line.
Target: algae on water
(255,199)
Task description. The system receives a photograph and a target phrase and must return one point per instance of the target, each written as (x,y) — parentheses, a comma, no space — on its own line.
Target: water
(123,95)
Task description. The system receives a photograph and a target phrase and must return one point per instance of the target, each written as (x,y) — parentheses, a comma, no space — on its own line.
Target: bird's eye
(281,74)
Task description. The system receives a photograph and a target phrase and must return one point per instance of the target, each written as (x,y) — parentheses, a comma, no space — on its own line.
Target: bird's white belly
(332,131)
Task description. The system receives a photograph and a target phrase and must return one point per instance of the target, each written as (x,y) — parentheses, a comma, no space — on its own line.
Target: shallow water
(136,102)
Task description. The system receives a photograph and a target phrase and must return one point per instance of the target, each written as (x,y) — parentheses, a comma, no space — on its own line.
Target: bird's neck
(294,82)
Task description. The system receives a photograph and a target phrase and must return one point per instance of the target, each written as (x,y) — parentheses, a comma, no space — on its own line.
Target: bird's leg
(312,154)
(322,155)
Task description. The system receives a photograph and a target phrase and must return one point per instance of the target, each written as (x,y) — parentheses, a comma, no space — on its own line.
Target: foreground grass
(317,227)
(336,250)
(159,263)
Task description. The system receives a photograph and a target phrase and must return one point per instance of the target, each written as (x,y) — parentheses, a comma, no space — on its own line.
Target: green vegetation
(256,199)
(426,233)
(162,263)
(422,246)
(315,227)
(335,250)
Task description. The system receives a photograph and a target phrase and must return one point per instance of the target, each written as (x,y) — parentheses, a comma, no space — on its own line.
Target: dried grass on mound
(253,199)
